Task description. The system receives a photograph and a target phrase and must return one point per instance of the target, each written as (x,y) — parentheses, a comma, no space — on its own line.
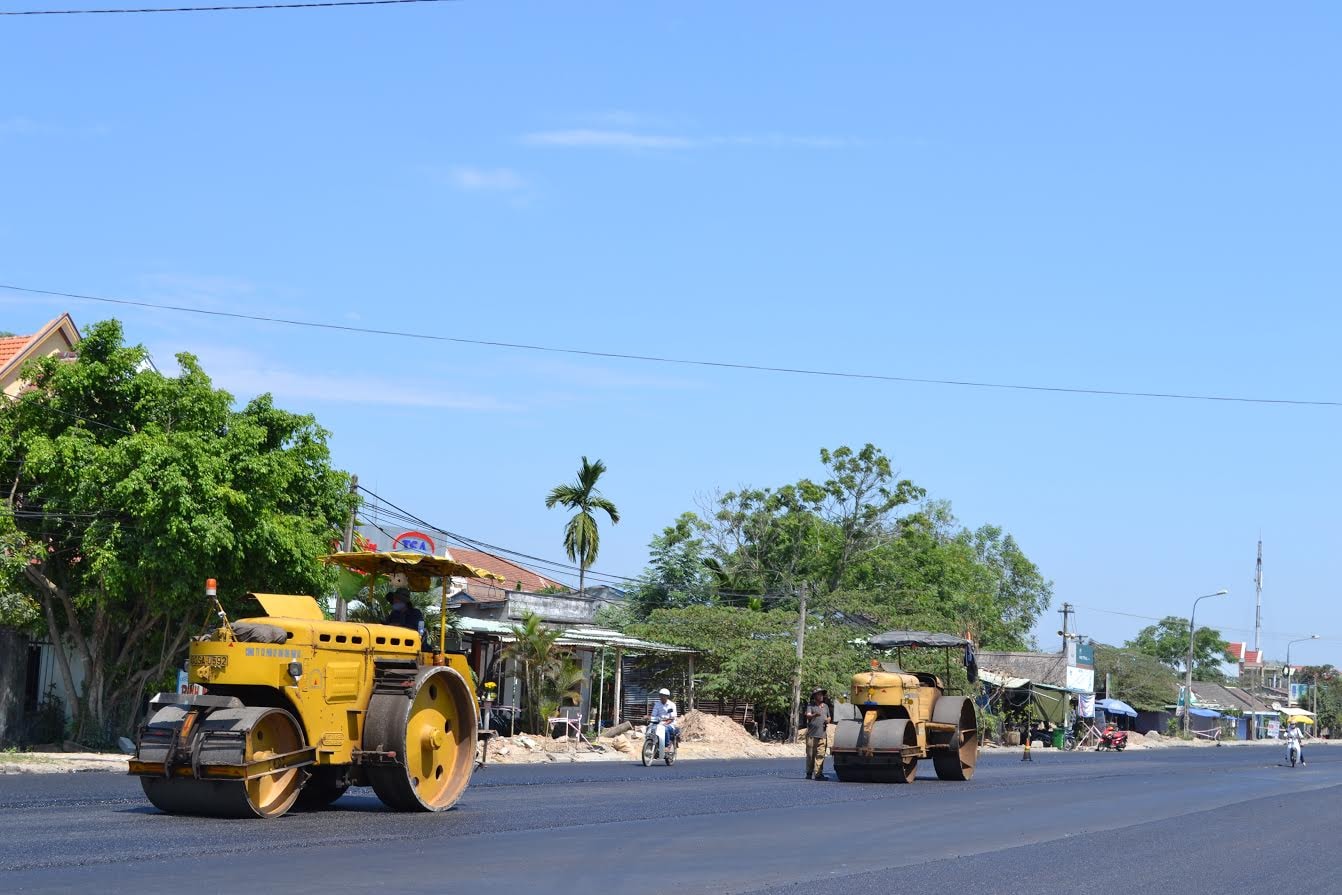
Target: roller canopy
(419,567)
(893,639)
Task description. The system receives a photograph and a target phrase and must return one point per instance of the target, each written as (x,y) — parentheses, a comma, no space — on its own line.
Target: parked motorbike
(652,746)
(1114,739)
(1293,752)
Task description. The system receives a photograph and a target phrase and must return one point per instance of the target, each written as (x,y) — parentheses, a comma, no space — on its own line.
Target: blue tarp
(1116,707)
(1204,713)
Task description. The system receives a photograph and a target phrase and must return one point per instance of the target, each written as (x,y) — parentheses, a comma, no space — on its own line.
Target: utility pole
(1258,609)
(348,545)
(1258,599)
(1066,613)
(796,677)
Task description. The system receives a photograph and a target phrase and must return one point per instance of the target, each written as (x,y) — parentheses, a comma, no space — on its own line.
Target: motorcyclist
(1295,738)
(664,715)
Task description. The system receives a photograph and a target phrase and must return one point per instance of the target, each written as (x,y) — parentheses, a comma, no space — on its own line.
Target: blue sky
(1139,200)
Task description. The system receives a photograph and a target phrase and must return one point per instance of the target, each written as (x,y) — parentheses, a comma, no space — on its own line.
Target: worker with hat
(664,715)
(817,735)
(403,614)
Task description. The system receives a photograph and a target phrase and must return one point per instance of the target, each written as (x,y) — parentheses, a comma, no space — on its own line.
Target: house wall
(565,608)
(58,340)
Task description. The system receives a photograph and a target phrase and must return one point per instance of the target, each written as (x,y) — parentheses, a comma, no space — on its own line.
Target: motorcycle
(1293,752)
(1112,738)
(653,749)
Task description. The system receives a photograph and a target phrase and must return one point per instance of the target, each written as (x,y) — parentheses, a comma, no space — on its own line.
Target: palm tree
(550,675)
(582,539)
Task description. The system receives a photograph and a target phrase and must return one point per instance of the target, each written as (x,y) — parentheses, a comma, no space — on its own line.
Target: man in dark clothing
(402,613)
(817,735)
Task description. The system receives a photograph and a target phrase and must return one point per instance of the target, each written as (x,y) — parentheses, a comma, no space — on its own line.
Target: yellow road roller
(294,709)
(896,717)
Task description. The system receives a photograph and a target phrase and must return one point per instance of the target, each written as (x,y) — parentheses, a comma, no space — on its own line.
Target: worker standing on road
(817,735)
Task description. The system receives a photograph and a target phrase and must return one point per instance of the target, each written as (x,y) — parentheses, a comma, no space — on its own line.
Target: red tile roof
(10,346)
(511,572)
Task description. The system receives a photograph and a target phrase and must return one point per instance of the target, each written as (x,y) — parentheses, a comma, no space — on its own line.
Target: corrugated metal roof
(577,635)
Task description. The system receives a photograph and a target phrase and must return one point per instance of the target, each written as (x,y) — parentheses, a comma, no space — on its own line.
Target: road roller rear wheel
(233,737)
(432,731)
(958,762)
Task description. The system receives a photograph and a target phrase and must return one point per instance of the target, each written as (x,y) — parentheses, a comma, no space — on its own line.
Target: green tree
(582,537)
(1139,679)
(1328,698)
(676,574)
(131,488)
(870,561)
(741,654)
(550,675)
(1167,641)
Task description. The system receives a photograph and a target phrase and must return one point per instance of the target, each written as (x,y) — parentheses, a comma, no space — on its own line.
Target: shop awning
(1001,680)
(1204,713)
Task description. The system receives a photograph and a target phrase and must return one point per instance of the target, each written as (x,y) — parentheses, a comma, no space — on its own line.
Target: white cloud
(19,127)
(247,374)
(607,139)
(495,179)
(587,138)
(205,289)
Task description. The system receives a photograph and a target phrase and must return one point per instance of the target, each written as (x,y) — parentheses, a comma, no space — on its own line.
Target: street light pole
(1290,677)
(1188,669)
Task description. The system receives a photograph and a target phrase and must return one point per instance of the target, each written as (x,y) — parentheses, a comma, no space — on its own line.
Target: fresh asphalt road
(1178,820)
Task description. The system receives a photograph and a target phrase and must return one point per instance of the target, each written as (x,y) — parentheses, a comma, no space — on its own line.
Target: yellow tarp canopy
(419,567)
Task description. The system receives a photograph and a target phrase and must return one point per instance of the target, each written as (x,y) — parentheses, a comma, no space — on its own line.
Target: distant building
(57,339)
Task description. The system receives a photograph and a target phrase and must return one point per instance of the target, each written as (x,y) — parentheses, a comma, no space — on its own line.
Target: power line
(474,544)
(229,8)
(1152,618)
(677,361)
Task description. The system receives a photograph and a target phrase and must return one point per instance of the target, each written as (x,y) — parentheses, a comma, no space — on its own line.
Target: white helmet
(663,692)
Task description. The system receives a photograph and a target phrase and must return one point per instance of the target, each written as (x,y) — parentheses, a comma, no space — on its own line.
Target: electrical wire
(315,4)
(1151,618)
(493,549)
(677,361)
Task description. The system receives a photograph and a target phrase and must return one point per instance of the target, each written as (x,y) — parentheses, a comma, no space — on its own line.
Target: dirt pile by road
(701,736)
(716,736)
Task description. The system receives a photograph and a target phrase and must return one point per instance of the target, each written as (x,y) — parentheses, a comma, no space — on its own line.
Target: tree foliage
(130,488)
(871,553)
(1167,641)
(1139,679)
(551,677)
